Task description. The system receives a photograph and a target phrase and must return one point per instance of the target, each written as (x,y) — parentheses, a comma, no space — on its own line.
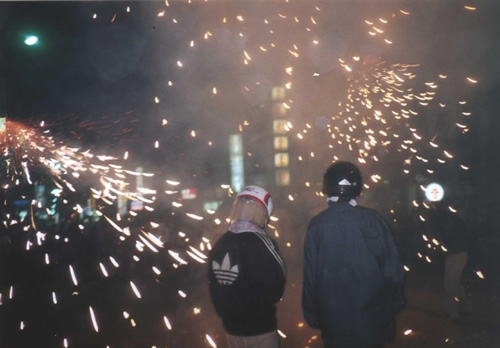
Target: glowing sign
(281,159)
(278,93)
(279,127)
(279,110)
(189,193)
(236,162)
(434,192)
(136,205)
(283,177)
(281,143)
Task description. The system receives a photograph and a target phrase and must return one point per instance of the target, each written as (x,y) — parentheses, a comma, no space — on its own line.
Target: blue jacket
(353,277)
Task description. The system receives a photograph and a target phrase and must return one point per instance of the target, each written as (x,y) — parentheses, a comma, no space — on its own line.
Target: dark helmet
(342,179)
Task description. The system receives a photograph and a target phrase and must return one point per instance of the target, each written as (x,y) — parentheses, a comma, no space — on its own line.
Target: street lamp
(434,192)
(31,40)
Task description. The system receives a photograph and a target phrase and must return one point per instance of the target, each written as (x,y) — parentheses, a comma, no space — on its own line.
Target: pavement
(424,314)
(194,322)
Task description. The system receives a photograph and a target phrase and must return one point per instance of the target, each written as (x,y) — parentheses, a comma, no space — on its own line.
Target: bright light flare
(195,257)
(31,40)
(94,320)
(176,256)
(194,216)
(103,270)
(73,275)
(167,322)
(112,223)
(113,261)
(135,290)
(210,341)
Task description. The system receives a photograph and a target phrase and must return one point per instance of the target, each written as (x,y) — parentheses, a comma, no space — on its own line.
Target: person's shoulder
(230,241)
(239,238)
(247,237)
(318,217)
(367,210)
(334,211)
(369,214)
(252,238)
(253,242)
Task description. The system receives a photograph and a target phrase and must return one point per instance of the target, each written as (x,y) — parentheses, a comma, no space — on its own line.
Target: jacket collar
(239,226)
(335,199)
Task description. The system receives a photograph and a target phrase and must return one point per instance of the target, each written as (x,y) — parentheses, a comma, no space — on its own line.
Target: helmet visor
(245,208)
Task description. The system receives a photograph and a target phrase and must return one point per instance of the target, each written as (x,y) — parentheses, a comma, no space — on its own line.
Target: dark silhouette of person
(450,230)
(353,276)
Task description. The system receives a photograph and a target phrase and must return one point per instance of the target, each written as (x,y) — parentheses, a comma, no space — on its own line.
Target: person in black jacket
(451,231)
(353,276)
(246,273)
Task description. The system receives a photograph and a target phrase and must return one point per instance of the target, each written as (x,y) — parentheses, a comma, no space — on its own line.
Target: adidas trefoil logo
(224,273)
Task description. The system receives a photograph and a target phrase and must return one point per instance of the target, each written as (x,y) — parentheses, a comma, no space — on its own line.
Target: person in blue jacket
(353,275)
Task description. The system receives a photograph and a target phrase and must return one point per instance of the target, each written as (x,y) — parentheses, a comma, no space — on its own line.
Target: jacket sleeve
(281,272)
(266,271)
(392,267)
(309,304)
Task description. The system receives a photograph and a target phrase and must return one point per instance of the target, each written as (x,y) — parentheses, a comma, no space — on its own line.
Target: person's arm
(266,271)
(281,272)
(392,267)
(309,303)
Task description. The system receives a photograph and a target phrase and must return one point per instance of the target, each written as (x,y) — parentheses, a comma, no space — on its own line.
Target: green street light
(31,40)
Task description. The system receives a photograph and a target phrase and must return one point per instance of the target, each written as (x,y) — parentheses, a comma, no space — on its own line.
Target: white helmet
(254,204)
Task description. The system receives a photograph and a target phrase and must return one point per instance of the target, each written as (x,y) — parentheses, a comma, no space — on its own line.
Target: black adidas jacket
(246,279)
